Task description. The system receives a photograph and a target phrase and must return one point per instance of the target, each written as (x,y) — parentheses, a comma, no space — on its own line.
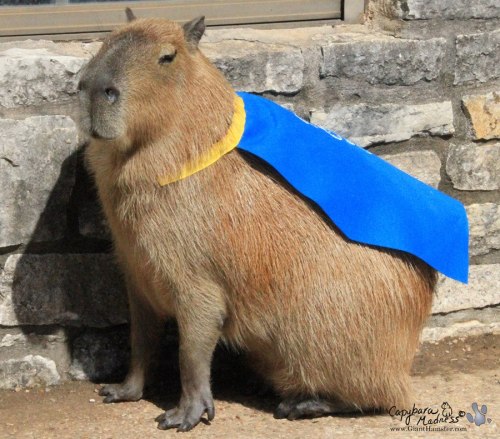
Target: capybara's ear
(193,31)
(130,15)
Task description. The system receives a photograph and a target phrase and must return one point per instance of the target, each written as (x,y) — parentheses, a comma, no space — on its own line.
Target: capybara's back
(231,251)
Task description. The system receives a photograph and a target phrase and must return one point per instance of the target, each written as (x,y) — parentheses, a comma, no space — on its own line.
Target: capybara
(232,252)
(447,410)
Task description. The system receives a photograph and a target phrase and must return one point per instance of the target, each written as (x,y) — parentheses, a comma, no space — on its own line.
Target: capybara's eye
(112,94)
(167,58)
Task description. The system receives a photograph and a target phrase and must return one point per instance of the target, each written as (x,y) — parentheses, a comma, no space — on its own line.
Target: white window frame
(72,21)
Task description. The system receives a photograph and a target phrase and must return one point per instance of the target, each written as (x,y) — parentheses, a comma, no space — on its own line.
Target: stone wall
(418,83)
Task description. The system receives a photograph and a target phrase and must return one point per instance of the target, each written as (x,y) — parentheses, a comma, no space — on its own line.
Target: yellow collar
(222,147)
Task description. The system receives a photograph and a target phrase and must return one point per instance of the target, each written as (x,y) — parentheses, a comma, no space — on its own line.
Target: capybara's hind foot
(120,392)
(295,408)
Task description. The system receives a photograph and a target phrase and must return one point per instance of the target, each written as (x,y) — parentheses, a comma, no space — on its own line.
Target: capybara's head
(143,80)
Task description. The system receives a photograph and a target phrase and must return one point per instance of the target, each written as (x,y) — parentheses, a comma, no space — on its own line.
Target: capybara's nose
(112,94)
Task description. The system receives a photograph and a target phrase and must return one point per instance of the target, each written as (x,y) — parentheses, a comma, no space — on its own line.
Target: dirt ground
(459,372)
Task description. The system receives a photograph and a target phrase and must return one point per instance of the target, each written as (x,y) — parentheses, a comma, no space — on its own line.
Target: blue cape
(369,200)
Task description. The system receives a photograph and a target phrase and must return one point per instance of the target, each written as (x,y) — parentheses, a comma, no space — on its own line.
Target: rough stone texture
(482,290)
(10,340)
(424,165)
(484,228)
(387,61)
(36,76)
(14,342)
(482,315)
(62,289)
(473,328)
(296,37)
(483,112)
(78,49)
(99,356)
(478,57)
(462,324)
(258,67)
(37,167)
(47,342)
(30,371)
(446,9)
(92,223)
(366,124)
(474,167)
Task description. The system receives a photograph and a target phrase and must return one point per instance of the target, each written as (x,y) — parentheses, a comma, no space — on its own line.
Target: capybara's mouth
(95,135)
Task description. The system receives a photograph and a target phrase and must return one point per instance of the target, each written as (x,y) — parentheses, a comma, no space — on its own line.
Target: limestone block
(423,165)
(365,124)
(482,290)
(478,57)
(258,67)
(30,371)
(484,227)
(446,9)
(37,169)
(389,61)
(65,289)
(474,166)
(37,76)
(483,112)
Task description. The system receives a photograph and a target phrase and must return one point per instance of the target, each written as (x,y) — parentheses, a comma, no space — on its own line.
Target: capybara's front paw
(120,392)
(187,415)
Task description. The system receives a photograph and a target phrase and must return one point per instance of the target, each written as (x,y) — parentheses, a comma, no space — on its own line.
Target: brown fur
(234,254)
